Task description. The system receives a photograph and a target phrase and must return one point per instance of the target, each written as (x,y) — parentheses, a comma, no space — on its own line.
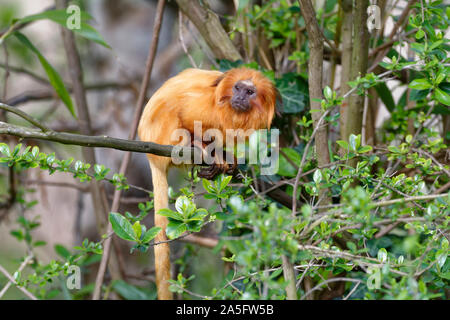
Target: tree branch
(209,26)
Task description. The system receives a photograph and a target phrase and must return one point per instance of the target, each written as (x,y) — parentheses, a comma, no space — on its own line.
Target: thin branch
(11,280)
(25,116)
(132,135)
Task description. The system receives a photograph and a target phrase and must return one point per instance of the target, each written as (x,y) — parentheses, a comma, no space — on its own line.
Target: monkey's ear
(217,81)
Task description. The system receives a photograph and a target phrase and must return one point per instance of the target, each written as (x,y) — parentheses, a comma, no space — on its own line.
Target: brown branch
(209,26)
(37,95)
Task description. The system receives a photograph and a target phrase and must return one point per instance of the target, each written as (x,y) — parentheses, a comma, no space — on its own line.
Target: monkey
(240,98)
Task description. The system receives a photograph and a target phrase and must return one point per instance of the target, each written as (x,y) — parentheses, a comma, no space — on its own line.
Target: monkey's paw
(209,172)
(215,169)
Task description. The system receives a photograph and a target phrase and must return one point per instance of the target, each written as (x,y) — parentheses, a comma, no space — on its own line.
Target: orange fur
(196,95)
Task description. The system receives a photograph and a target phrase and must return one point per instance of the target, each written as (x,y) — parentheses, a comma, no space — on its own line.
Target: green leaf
(364,149)
(170,214)
(61,17)
(225,182)
(328,93)
(175,229)
(53,76)
(207,186)
(128,291)
(285,167)
(385,95)
(151,234)
(442,97)
(420,34)
(137,228)
(62,251)
(343,144)
(4,149)
(382,255)
(420,84)
(355,142)
(317,177)
(293,90)
(122,227)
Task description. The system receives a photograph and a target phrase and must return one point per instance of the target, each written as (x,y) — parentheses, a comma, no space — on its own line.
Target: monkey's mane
(263,106)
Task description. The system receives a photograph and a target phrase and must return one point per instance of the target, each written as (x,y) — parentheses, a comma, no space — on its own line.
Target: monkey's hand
(218,167)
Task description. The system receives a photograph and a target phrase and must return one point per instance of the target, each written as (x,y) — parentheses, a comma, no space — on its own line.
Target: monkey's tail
(162,251)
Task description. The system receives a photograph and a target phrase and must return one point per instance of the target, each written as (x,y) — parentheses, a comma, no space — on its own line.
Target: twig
(21,267)
(11,280)
(326,282)
(91,141)
(181,38)
(25,116)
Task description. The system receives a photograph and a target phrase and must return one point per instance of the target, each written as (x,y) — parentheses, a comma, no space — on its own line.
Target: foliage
(385,232)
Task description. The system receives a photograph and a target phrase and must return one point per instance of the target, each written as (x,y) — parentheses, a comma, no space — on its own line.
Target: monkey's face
(243,92)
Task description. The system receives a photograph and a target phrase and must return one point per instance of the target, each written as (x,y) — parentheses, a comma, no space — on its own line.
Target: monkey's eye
(236,87)
(250,92)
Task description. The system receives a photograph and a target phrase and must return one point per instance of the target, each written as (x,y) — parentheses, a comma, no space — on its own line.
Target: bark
(209,26)
(359,66)
(315,74)
(346,60)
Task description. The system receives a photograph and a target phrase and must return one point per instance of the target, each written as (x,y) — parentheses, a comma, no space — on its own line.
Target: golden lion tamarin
(240,98)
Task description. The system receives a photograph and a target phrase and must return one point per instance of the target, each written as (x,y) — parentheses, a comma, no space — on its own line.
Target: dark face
(243,92)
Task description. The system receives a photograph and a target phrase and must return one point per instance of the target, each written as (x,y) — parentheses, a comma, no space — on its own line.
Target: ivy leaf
(122,227)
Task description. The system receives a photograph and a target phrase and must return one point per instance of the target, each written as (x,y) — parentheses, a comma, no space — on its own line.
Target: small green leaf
(355,141)
(420,34)
(317,177)
(343,144)
(420,84)
(170,214)
(442,97)
(151,234)
(137,228)
(122,227)
(175,229)
(382,255)
(4,149)
(364,149)
(328,93)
